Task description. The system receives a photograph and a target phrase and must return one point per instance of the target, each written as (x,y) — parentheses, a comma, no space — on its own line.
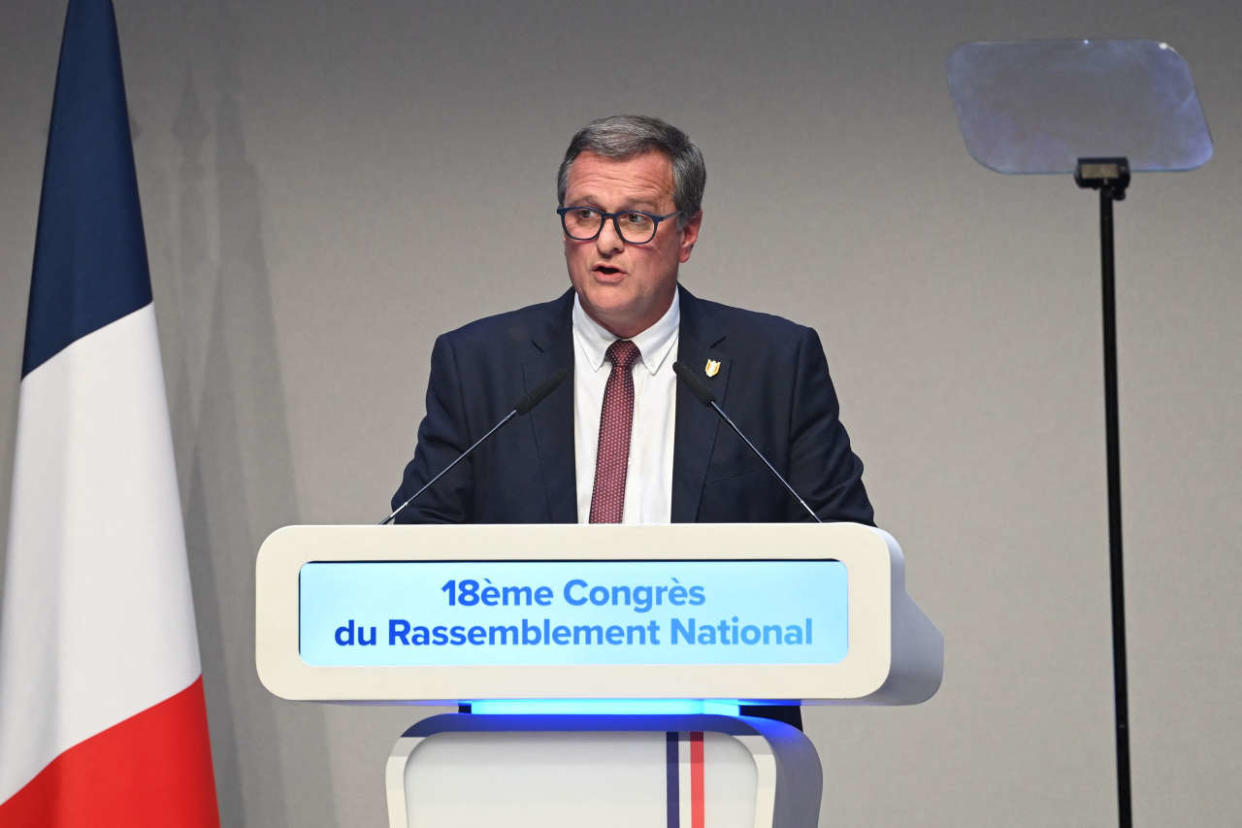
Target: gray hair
(624,136)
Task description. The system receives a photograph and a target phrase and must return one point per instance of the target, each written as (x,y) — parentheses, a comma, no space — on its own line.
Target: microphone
(705,396)
(528,401)
(524,404)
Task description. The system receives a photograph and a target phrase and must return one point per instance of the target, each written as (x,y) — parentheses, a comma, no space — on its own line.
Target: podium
(610,671)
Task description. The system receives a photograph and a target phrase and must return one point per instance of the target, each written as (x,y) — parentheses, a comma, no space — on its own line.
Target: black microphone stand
(1111,176)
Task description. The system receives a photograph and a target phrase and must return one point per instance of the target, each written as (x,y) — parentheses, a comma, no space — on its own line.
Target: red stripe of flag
(153,769)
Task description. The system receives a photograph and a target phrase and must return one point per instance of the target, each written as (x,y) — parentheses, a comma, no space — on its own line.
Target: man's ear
(690,235)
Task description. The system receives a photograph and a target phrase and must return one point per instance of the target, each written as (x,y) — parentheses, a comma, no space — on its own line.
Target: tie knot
(622,354)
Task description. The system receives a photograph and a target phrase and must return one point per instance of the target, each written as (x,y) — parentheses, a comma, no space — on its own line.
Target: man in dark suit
(629,442)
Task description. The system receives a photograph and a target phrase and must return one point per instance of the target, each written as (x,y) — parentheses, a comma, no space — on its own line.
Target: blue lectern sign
(454,613)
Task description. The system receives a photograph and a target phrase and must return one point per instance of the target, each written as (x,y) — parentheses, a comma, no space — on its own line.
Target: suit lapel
(552,421)
(699,340)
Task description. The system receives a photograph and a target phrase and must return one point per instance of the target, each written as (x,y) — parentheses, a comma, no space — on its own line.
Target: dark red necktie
(615,422)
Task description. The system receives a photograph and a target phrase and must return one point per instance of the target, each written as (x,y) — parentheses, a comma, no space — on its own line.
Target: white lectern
(608,669)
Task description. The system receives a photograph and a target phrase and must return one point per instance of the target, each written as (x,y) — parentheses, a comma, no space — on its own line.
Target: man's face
(626,287)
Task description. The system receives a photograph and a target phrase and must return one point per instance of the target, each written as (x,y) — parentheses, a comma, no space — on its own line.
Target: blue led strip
(604,707)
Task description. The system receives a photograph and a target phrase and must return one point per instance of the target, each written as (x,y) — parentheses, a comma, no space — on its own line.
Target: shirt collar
(654,344)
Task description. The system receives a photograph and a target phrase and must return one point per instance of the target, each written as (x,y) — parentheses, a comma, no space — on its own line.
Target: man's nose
(609,242)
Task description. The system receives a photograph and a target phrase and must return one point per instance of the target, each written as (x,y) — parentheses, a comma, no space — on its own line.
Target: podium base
(558,771)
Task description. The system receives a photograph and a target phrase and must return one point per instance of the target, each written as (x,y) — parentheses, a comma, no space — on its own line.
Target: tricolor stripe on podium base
(685,780)
(102,719)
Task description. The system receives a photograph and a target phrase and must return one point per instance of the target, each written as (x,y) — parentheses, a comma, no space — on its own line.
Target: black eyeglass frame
(616,222)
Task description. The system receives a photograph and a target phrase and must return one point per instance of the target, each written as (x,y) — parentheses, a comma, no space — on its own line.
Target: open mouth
(607,270)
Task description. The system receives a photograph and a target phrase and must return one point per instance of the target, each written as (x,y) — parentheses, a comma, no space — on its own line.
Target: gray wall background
(327,185)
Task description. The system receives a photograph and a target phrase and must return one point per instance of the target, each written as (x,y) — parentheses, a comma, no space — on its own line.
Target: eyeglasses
(633,226)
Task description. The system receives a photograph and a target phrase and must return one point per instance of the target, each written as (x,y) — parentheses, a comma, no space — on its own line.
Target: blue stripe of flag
(90,263)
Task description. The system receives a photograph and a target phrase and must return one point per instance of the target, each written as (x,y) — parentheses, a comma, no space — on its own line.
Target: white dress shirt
(649,475)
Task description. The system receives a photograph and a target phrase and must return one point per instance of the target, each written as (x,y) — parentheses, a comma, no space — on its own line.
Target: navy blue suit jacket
(773,381)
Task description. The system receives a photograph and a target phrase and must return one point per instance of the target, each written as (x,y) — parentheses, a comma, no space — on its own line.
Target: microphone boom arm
(705,396)
(522,406)
(449,467)
(759,454)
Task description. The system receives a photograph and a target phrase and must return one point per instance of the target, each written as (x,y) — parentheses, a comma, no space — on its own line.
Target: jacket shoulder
(521,326)
(744,324)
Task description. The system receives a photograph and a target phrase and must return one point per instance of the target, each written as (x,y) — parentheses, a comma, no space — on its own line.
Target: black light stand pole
(1111,176)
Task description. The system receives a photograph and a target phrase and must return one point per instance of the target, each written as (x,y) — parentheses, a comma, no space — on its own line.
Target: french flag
(102,718)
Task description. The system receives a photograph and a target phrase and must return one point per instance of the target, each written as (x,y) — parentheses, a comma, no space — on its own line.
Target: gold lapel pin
(712,367)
